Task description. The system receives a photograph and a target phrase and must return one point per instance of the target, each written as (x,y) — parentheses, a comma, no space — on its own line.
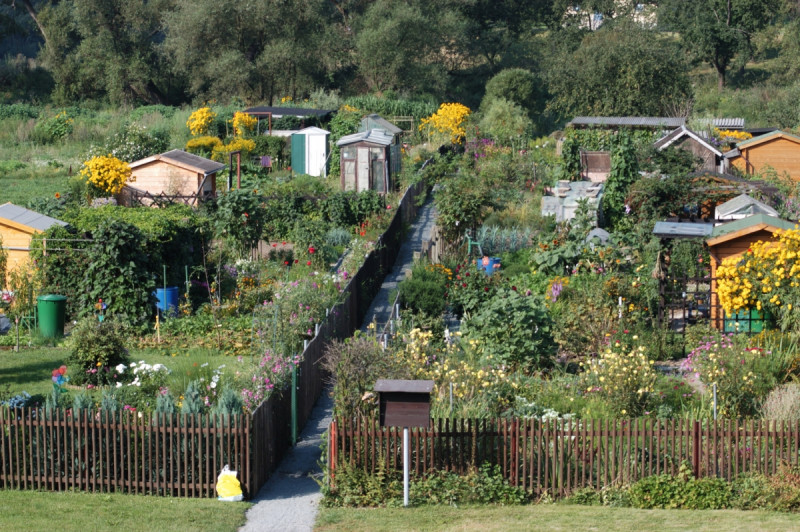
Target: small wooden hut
(17,227)
(777,150)
(365,160)
(686,139)
(733,239)
(175,175)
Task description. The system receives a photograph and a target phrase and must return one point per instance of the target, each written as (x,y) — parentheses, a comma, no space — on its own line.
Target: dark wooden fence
(121,452)
(182,455)
(558,457)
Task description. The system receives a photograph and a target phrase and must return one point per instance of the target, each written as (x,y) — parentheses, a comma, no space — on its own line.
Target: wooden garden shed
(735,238)
(177,175)
(375,121)
(365,161)
(686,139)
(17,227)
(778,150)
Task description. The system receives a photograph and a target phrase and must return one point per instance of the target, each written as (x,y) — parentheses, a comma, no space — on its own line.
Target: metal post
(451,398)
(406,459)
(714,389)
(186,274)
(316,329)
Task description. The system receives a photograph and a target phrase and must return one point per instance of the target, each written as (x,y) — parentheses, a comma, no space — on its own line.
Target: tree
(105,49)
(516,85)
(504,121)
(716,31)
(618,71)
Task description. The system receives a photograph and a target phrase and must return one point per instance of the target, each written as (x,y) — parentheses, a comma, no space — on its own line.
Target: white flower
(204,364)
(213,384)
(119,385)
(120,368)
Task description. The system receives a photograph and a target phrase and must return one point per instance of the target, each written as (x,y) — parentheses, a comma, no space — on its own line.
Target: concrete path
(288,501)
(381,308)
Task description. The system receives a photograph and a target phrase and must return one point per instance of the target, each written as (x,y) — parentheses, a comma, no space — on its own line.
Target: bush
(133,143)
(513,329)
(425,290)
(203,146)
(96,348)
(682,491)
(782,403)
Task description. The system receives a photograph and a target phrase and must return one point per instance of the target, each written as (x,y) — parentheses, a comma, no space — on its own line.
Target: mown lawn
(81,512)
(550,517)
(30,369)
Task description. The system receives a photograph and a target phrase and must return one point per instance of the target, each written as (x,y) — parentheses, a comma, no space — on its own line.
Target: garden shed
(375,121)
(17,227)
(175,175)
(742,206)
(686,139)
(777,150)
(735,238)
(310,151)
(365,161)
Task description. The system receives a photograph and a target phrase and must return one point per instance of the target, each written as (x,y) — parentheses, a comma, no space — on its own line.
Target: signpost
(404,403)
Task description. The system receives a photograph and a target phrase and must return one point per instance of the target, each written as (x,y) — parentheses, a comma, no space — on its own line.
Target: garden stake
(714,389)
(186,272)
(16,321)
(166,308)
(406,459)
(158,330)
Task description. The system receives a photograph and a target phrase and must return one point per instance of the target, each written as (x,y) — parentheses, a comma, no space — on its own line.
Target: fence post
(696,449)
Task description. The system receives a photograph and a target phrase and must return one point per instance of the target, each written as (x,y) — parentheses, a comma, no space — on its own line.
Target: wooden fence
(182,455)
(121,452)
(559,457)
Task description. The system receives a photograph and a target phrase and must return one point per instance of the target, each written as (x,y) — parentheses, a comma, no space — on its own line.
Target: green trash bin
(52,310)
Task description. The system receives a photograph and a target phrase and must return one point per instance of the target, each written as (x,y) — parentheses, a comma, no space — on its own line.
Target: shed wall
(782,155)
(160,177)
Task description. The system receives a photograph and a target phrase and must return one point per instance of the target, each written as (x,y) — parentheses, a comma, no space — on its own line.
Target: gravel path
(288,501)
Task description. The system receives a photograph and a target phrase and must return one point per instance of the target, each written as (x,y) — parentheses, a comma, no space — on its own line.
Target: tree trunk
(720,77)
(33,14)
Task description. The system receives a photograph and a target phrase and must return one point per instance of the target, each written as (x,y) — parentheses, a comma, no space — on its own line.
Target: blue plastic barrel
(167,301)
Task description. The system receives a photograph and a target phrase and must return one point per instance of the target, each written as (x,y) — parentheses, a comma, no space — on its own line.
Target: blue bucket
(492,266)
(167,304)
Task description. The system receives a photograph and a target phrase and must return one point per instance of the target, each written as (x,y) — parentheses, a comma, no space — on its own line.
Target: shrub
(96,348)
(782,403)
(203,146)
(245,146)
(106,174)
(133,143)
(623,375)
(447,123)
(54,128)
(200,120)
(513,329)
(682,491)
(243,123)
(425,290)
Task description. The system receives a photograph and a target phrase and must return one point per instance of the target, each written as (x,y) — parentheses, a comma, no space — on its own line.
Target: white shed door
(363,169)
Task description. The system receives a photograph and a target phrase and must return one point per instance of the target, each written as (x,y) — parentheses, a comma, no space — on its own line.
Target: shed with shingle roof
(686,139)
(178,174)
(17,227)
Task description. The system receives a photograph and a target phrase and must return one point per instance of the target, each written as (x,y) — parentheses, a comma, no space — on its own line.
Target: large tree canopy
(716,31)
(617,71)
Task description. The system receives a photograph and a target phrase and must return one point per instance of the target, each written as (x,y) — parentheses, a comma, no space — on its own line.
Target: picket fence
(561,456)
(182,455)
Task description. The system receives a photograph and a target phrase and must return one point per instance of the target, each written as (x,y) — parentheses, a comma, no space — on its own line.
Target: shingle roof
(28,218)
(375,136)
(184,160)
(678,134)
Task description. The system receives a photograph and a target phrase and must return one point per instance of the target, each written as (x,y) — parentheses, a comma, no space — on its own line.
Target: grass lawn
(30,369)
(550,517)
(67,511)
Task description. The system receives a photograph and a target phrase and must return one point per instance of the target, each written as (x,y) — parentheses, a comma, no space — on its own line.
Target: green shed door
(299,154)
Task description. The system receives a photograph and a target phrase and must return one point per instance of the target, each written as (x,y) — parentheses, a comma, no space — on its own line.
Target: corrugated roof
(629,121)
(767,136)
(756,219)
(28,218)
(278,112)
(682,229)
(375,136)
(375,121)
(728,123)
(743,204)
